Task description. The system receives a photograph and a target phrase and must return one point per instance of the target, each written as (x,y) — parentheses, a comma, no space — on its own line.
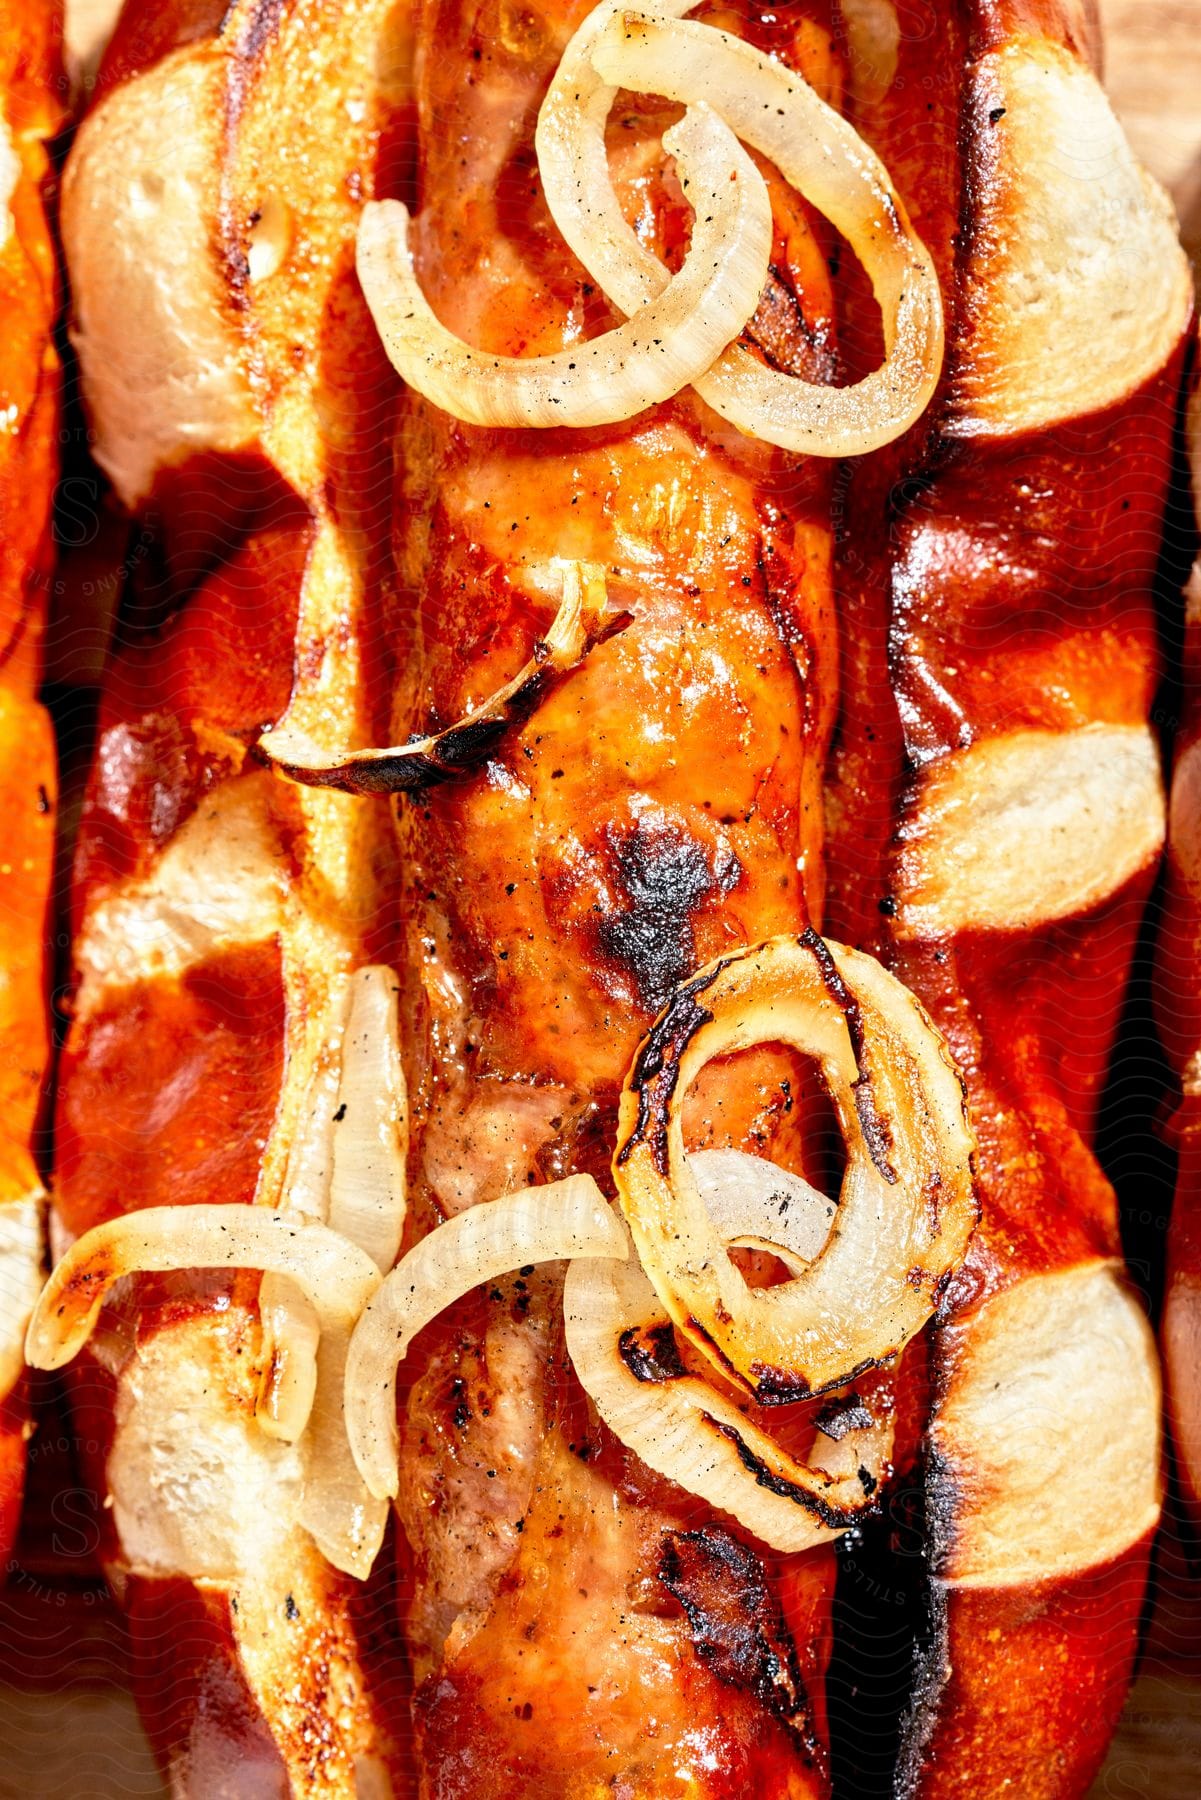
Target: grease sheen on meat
(661,804)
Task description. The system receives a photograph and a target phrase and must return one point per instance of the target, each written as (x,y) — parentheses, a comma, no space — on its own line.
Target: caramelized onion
(345,1522)
(371,1124)
(815,149)
(683,1428)
(540,1224)
(671,340)
(336,1278)
(907,1205)
(581,621)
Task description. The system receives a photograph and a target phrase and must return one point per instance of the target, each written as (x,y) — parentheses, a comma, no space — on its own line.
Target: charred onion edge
(579,625)
(931,1218)
(685,1429)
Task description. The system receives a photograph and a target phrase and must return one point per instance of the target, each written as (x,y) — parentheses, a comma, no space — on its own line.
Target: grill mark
(835,1516)
(842,1416)
(737,1625)
(657,1065)
(781,1387)
(876,1134)
(651,1353)
(666,875)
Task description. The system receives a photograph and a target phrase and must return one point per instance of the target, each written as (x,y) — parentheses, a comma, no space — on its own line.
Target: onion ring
(684,1429)
(665,345)
(335,1277)
(541,1224)
(908,1203)
(816,151)
(581,622)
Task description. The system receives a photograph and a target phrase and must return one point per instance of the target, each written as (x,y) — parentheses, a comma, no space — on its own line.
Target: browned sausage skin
(661,805)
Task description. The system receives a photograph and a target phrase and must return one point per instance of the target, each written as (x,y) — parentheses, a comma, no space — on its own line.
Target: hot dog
(615,661)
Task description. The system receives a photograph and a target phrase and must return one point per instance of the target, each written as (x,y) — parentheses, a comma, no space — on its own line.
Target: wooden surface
(67,1728)
(1153,74)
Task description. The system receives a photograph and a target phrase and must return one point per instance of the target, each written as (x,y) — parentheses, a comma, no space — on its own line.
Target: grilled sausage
(660,804)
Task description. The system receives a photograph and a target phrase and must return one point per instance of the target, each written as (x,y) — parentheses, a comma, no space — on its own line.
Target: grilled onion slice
(536,1225)
(907,1205)
(346,1169)
(671,340)
(815,149)
(581,621)
(335,1277)
(291,1336)
(371,1125)
(683,1428)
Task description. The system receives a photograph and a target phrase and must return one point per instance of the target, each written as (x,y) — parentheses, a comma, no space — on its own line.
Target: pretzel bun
(1179,1011)
(952,637)
(1012,866)
(30,114)
(216,909)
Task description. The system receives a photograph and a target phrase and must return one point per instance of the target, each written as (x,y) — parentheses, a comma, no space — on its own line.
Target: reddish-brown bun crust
(213,905)
(1011,595)
(30,113)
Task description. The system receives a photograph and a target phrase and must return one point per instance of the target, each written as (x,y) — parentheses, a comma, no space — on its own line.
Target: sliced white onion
(541,1224)
(291,1329)
(907,1206)
(684,1429)
(672,339)
(815,149)
(371,1124)
(336,1278)
(311,1152)
(291,1334)
(756,1205)
(581,621)
(345,1521)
